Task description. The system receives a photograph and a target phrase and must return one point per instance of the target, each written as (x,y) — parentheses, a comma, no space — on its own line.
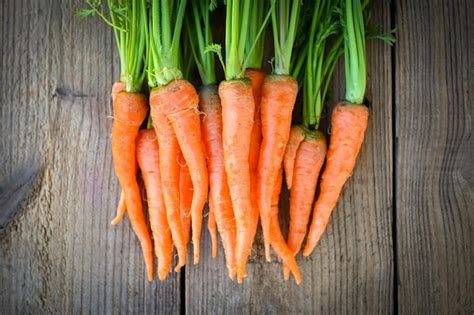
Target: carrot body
(296,136)
(278,99)
(256,78)
(276,237)
(348,125)
(211,227)
(220,203)
(149,163)
(170,172)
(185,199)
(117,87)
(308,163)
(238,108)
(130,109)
(178,102)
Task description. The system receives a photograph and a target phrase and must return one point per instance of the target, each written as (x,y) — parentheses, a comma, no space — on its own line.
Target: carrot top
(165,23)
(285,18)
(237,50)
(321,59)
(199,33)
(128,18)
(254,47)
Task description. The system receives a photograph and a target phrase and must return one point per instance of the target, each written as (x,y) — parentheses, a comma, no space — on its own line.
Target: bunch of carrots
(228,142)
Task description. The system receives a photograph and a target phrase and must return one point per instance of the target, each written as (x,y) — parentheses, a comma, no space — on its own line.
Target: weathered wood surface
(399,240)
(434,156)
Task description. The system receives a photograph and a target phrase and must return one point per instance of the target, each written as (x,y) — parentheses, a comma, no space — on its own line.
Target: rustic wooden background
(400,239)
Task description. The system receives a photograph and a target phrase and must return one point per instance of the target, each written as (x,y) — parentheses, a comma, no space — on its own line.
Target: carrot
(256,78)
(219,196)
(348,122)
(237,116)
(308,163)
(117,87)
(178,102)
(130,110)
(348,125)
(296,137)
(277,240)
(170,172)
(185,198)
(149,163)
(278,98)
(211,226)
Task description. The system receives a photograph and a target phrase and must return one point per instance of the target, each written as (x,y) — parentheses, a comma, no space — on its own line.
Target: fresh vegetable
(238,109)
(221,213)
(185,198)
(219,195)
(321,58)
(278,98)
(348,123)
(173,103)
(129,22)
(149,162)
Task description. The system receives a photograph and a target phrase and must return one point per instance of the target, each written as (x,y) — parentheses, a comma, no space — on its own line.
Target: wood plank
(60,254)
(352,269)
(435,175)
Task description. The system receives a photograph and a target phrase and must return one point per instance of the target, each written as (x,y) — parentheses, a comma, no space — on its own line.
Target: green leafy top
(285,18)
(321,58)
(254,38)
(237,51)
(165,22)
(200,37)
(128,18)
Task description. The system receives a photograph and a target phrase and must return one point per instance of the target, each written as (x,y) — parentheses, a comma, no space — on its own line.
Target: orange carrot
(296,136)
(211,226)
(220,203)
(117,87)
(130,109)
(256,78)
(149,163)
(308,163)
(170,171)
(278,98)
(185,198)
(348,125)
(178,102)
(237,116)
(276,237)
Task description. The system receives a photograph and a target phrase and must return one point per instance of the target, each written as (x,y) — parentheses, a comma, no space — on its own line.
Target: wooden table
(400,239)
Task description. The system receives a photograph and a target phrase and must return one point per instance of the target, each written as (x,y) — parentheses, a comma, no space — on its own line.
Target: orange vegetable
(130,110)
(278,99)
(348,125)
(237,116)
(149,163)
(296,136)
(220,203)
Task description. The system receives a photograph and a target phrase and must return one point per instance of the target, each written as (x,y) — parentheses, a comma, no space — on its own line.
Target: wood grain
(352,268)
(435,174)
(61,255)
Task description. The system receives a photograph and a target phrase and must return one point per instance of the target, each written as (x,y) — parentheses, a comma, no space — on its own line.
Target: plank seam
(393,9)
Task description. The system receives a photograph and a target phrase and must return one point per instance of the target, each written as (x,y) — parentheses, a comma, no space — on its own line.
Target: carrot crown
(165,22)
(238,22)
(198,29)
(285,18)
(321,59)
(128,18)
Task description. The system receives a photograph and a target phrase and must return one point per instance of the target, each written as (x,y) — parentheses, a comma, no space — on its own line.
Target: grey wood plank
(60,254)
(435,175)
(352,268)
